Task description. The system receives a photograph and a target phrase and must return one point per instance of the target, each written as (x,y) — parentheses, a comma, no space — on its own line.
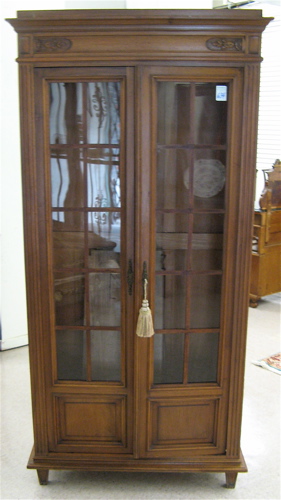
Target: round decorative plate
(209,178)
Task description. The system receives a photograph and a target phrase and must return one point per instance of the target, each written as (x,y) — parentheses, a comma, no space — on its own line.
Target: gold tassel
(145,322)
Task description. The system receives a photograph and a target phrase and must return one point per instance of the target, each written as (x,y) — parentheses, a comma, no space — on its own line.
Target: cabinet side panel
(32,255)
(243,254)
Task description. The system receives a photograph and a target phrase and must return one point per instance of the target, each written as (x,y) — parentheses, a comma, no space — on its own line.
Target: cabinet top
(168,17)
(89,36)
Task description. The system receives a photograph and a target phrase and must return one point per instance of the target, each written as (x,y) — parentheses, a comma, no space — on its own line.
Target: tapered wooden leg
(231,479)
(43,475)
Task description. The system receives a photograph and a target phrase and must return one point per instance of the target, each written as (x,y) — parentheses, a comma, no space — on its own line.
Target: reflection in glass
(209,179)
(67,116)
(210,115)
(170,302)
(106,356)
(205,301)
(207,242)
(68,245)
(104,244)
(69,298)
(173,113)
(65,113)
(103,112)
(71,355)
(105,304)
(190,114)
(67,172)
(203,356)
(171,241)
(104,192)
(168,358)
(103,178)
(172,189)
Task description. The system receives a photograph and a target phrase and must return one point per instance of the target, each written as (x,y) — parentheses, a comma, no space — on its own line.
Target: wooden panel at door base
(85,421)
(181,427)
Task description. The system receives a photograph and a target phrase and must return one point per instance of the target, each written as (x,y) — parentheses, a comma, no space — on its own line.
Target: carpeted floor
(260,437)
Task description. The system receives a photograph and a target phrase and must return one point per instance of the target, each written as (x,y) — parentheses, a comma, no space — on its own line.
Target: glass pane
(68,245)
(103,178)
(191,113)
(103,112)
(67,180)
(168,358)
(170,302)
(69,298)
(171,241)
(71,355)
(173,113)
(105,250)
(105,301)
(104,192)
(205,301)
(203,356)
(209,179)
(172,178)
(106,356)
(207,242)
(210,115)
(65,113)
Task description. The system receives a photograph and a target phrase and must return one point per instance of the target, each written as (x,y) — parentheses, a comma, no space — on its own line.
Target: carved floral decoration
(52,44)
(225,44)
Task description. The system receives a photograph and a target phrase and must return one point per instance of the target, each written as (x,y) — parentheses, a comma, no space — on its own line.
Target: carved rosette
(52,44)
(225,44)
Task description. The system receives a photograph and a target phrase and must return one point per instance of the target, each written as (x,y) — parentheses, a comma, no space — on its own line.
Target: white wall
(13,298)
(269,126)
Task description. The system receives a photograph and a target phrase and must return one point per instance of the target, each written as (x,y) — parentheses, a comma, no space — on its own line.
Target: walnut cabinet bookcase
(138,133)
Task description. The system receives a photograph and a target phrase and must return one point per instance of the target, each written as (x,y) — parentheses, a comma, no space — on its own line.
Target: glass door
(89,177)
(190,178)
(87,219)
(185,392)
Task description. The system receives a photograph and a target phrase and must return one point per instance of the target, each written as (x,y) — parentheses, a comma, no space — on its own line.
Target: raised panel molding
(182,422)
(91,419)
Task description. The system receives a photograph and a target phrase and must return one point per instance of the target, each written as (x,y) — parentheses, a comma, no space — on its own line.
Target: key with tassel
(145,322)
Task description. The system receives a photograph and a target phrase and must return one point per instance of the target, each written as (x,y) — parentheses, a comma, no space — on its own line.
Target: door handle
(144,273)
(145,323)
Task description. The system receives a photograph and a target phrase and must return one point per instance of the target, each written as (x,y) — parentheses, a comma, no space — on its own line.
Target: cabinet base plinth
(216,464)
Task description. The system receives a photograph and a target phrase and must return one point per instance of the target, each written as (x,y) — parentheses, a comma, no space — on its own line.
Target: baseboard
(13,342)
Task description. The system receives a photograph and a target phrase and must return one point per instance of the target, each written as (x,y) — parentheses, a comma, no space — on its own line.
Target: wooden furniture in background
(138,156)
(266,252)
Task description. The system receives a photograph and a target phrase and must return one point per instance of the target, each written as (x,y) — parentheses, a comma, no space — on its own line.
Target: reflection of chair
(69,245)
(266,251)
(69,253)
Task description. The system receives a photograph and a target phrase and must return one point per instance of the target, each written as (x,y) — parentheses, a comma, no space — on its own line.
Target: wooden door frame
(45,412)
(231,305)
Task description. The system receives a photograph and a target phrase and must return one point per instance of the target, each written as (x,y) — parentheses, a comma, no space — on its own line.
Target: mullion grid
(190,229)
(189,213)
(191,148)
(86,232)
(59,151)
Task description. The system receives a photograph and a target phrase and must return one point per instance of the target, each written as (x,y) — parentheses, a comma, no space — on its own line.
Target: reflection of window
(85,118)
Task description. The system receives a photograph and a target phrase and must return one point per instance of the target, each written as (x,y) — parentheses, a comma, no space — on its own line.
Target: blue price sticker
(221,93)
